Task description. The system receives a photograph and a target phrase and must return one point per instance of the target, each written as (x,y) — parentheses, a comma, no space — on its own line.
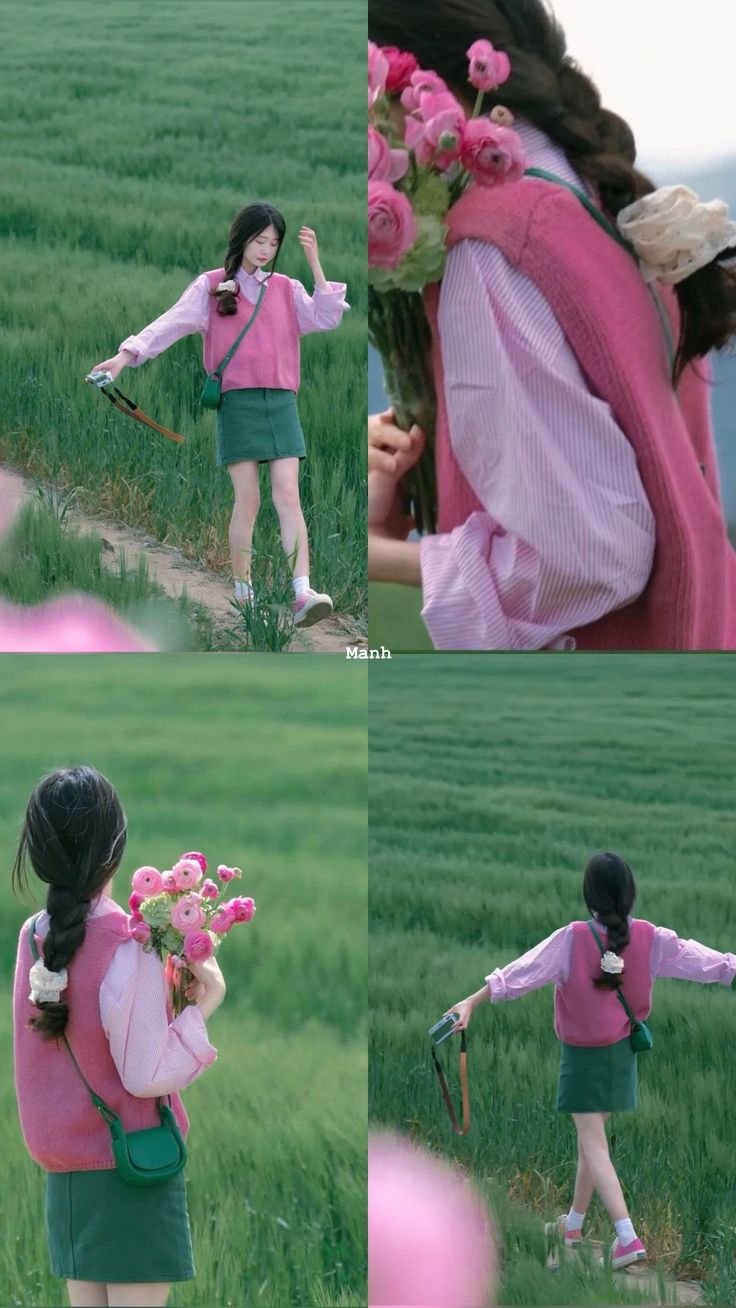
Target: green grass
(126,152)
(261,764)
(492,779)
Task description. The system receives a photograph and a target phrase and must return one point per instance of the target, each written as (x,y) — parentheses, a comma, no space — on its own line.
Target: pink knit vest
(62,1129)
(612,325)
(589,1015)
(268,356)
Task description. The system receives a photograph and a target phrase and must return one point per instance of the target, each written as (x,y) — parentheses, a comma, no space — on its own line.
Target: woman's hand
(207,990)
(464,1012)
(308,242)
(391,453)
(115,365)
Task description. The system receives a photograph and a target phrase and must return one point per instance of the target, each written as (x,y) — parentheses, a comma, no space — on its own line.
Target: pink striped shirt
(567,534)
(549,963)
(190,315)
(152,1055)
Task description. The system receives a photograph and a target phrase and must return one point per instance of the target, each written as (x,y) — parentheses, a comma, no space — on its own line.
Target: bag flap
(154,1149)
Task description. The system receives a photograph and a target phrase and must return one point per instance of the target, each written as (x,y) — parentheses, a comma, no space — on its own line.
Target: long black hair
(609,891)
(246,225)
(73,836)
(550,89)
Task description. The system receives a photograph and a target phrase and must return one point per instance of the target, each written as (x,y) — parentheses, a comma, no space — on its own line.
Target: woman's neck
(248,267)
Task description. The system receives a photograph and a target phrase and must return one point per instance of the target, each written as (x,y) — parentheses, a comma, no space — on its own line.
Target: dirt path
(172,571)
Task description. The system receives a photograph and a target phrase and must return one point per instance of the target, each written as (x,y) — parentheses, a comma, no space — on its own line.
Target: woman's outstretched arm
(546,964)
(688,960)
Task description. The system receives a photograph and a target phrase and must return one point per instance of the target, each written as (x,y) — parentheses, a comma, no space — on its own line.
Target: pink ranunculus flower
(392,227)
(420,83)
(384,164)
(377,73)
(493,154)
(186,915)
(208,889)
(75,624)
(435,132)
(430,1239)
(168,883)
(241,909)
(488,67)
(226,873)
(401,65)
(221,921)
(147,881)
(134,903)
(198,946)
(187,873)
(198,858)
(141,932)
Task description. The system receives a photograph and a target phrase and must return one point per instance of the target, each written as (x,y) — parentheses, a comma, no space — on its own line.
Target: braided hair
(73,836)
(246,225)
(609,892)
(548,87)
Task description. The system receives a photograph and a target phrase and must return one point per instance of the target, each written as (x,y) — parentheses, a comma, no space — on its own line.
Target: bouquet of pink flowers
(423,152)
(182,916)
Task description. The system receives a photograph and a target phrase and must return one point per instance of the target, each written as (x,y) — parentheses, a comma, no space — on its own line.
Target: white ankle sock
(300,584)
(625,1230)
(243,590)
(575,1220)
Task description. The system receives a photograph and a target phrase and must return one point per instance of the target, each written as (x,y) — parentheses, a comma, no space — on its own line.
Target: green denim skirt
(102,1229)
(259,424)
(597,1080)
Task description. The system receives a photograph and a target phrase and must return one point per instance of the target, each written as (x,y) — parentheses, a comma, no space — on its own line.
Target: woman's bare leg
(244,476)
(593,1144)
(153,1295)
(584,1184)
(285,495)
(87,1294)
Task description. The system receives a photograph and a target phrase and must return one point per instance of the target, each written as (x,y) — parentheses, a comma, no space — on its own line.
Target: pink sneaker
(623,1254)
(310,608)
(559,1229)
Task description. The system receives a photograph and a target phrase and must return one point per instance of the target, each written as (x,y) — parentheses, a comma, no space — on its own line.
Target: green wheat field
(492,779)
(264,767)
(129,143)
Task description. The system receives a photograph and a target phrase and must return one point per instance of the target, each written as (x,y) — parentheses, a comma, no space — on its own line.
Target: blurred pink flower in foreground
(74,624)
(430,1240)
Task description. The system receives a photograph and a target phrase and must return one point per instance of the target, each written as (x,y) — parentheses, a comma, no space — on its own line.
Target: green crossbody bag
(212,389)
(141,1157)
(640,1036)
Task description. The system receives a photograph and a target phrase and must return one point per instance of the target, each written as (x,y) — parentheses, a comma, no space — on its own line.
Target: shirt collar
(260,275)
(542,152)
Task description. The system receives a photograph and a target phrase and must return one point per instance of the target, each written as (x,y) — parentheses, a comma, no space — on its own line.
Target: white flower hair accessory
(612,963)
(46,986)
(675,233)
(226,286)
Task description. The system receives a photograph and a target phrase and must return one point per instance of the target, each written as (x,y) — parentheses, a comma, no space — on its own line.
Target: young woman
(578,487)
(257,421)
(93,984)
(598,1066)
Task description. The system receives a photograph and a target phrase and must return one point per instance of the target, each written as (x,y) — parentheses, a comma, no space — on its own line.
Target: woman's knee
(247,501)
(286,500)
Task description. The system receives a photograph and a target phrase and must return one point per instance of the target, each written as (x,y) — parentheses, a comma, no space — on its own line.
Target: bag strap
(223,364)
(107,1112)
(619,993)
(463,1084)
